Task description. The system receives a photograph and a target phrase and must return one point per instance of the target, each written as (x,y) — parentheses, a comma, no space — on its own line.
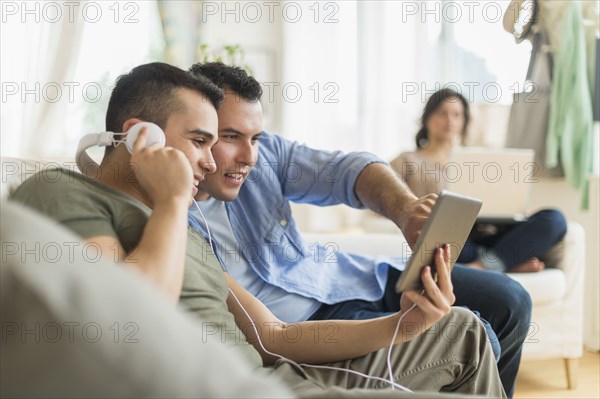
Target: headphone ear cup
(155,135)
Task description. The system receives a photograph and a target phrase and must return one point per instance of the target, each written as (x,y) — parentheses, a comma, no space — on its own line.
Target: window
(386,58)
(109,48)
(56,76)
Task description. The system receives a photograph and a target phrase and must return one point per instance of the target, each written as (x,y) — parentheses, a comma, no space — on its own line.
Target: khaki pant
(453,356)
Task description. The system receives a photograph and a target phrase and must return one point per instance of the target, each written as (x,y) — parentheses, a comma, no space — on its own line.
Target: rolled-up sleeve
(314,176)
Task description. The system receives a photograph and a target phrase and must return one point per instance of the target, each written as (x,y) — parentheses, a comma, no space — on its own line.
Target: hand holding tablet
(451,220)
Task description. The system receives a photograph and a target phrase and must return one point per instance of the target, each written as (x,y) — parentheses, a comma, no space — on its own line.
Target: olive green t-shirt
(90,208)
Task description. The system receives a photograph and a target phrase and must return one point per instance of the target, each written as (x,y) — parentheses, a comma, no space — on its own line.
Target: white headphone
(86,164)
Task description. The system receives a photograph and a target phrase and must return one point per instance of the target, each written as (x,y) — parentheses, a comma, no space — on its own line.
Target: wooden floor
(547,379)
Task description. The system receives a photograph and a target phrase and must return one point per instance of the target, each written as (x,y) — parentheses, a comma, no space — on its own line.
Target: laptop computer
(501,177)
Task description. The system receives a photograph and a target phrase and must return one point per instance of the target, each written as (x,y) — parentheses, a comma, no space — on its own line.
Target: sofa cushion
(139,344)
(549,285)
(16,170)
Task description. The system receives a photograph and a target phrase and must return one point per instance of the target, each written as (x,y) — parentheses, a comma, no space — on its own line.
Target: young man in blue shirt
(255,235)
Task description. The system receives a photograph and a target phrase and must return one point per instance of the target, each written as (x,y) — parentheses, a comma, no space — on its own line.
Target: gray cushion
(74,326)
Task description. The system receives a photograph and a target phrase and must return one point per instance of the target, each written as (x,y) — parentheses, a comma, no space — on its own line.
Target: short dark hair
(434,102)
(148,93)
(230,77)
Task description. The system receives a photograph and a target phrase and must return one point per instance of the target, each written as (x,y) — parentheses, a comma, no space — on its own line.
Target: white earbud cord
(389,363)
(391,382)
(389,354)
(205,224)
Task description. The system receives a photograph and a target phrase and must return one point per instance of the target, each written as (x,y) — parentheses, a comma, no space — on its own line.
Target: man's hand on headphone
(164,173)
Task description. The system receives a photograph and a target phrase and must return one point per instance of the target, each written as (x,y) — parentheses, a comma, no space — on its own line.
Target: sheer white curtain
(344,72)
(59,62)
(413,48)
(394,59)
(318,89)
(180,22)
(39,50)
(386,58)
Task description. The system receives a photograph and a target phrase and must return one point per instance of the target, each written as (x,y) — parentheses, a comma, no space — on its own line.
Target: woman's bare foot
(533,265)
(476,265)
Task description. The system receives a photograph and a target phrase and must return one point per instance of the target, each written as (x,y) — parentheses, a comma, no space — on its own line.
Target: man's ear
(129,123)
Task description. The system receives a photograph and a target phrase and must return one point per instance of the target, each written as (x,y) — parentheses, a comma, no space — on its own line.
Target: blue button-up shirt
(262,222)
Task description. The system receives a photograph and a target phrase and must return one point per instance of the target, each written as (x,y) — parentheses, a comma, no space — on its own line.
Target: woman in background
(514,247)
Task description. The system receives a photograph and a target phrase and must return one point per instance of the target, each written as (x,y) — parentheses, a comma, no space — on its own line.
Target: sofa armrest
(569,256)
(16,170)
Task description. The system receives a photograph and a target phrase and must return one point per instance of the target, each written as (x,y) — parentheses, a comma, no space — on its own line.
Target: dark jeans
(516,242)
(501,303)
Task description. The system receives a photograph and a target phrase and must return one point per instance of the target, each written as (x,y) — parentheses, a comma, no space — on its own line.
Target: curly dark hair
(229,77)
(148,93)
(434,102)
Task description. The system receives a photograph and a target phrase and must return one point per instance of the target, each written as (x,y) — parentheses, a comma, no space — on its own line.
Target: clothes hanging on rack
(596,75)
(570,132)
(529,113)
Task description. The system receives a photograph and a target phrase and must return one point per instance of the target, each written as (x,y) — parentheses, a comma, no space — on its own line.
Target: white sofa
(556,330)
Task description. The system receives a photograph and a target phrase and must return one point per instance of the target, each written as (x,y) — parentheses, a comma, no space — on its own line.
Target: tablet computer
(450,222)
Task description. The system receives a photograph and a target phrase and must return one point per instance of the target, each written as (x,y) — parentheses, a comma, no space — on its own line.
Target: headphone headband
(83,160)
(89,167)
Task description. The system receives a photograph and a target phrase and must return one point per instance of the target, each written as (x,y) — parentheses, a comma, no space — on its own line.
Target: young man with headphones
(259,173)
(133,208)
(135,211)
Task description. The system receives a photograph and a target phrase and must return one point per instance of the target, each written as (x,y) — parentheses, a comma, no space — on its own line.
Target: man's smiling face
(240,126)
